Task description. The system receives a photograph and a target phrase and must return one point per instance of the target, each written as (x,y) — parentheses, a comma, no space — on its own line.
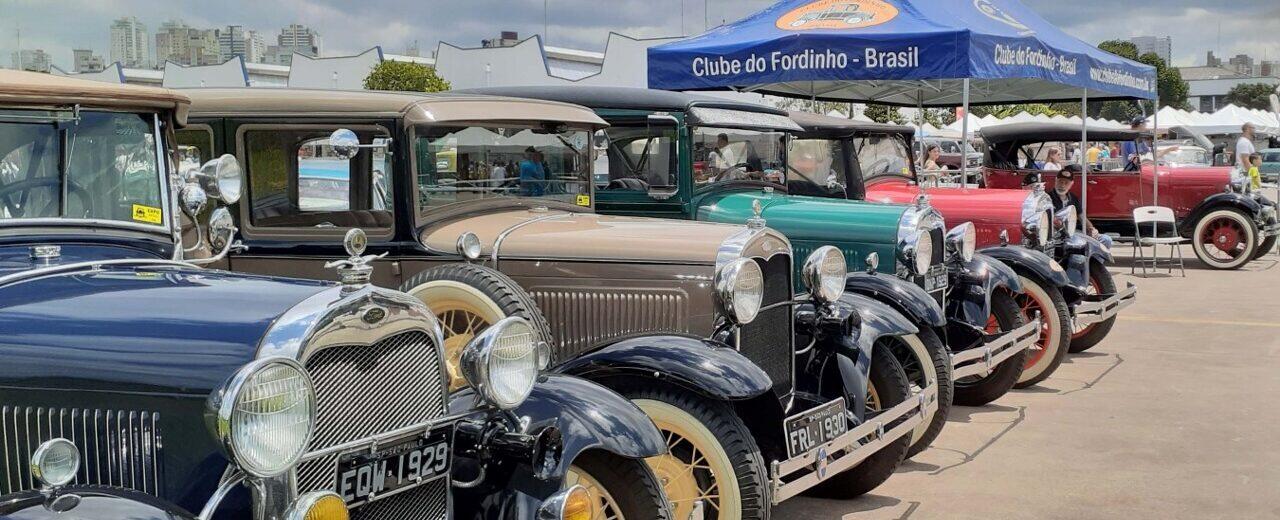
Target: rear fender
(705,367)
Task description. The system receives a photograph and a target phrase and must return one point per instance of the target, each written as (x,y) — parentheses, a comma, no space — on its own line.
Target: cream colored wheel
(930,375)
(873,398)
(464,312)
(695,467)
(603,505)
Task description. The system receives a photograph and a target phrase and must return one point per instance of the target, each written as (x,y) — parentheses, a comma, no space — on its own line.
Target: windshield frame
(424,215)
(159,129)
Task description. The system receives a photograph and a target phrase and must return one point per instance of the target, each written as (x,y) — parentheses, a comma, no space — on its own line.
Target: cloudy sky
(1241,26)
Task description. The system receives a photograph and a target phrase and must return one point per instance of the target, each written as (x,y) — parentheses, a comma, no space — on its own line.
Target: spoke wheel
(873,398)
(1030,306)
(1051,347)
(979,390)
(694,469)
(1225,239)
(603,505)
(464,312)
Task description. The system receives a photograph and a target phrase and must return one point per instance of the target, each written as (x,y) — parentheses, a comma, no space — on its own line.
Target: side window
(296,180)
(638,157)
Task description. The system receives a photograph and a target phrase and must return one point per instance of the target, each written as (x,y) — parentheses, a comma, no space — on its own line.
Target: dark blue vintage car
(136,384)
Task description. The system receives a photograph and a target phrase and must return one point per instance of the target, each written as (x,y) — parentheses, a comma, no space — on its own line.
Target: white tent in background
(975,123)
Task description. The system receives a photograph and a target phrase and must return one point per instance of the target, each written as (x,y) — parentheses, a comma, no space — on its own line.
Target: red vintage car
(1228,225)
(873,162)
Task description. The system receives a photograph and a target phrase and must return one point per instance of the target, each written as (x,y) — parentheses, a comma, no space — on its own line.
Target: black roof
(818,125)
(632,98)
(1042,132)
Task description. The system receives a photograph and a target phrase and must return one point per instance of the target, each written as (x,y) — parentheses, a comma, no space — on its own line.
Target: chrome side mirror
(345,143)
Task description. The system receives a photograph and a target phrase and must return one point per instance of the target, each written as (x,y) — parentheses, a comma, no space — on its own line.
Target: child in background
(1255,178)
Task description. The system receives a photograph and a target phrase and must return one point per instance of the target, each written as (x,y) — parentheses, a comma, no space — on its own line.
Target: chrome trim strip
(1090,312)
(93,265)
(995,351)
(224,488)
(497,242)
(911,412)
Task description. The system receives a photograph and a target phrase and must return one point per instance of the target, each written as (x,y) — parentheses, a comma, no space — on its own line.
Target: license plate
(936,278)
(364,476)
(815,427)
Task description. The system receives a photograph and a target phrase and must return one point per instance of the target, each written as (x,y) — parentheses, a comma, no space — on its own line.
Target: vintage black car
(136,384)
(761,393)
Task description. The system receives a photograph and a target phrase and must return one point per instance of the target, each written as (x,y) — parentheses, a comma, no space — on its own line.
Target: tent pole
(1084,165)
(1155,142)
(920,122)
(964,138)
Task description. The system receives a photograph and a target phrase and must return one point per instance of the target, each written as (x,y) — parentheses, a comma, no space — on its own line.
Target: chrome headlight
(824,274)
(1066,220)
(962,242)
(469,245)
(1035,219)
(917,253)
(502,362)
(265,415)
(740,287)
(55,462)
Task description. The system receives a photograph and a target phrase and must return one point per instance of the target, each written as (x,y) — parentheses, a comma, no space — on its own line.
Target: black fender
(706,367)
(875,320)
(1043,268)
(1240,201)
(89,503)
(969,303)
(1077,251)
(905,297)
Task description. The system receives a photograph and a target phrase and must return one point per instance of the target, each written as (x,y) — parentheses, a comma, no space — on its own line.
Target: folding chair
(1159,218)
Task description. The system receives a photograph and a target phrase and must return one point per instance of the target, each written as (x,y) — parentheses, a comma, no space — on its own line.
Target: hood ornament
(354,272)
(756,221)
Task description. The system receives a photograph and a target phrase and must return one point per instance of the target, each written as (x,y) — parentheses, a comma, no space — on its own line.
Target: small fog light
(319,505)
(55,462)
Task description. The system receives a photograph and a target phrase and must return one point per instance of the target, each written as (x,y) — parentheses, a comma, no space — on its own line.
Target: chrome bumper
(790,477)
(980,361)
(1089,311)
(1269,230)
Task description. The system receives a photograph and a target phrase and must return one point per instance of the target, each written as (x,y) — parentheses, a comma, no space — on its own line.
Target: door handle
(1093,182)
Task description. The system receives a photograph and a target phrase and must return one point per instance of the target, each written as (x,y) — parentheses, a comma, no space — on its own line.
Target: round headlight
(1066,220)
(1042,231)
(319,505)
(55,462)
(740,286)
(469,245)
(824,274)
(962,240)
(923,252)
(266,414)
(501,363)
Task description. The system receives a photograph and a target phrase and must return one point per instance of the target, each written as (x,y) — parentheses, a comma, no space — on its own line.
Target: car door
(1112,195)
(302,198)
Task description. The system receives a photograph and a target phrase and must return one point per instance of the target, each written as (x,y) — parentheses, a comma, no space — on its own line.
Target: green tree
(1003,111)
(812,106)
(1169,83)
(883,113)
(1251,95)
(1173,90)
(405,76)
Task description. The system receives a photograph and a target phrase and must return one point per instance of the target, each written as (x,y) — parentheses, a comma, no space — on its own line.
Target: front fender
(1037,264)
(853,354)
(95,503)
(1239,201)
(969,303)
(706,367)
(905,297)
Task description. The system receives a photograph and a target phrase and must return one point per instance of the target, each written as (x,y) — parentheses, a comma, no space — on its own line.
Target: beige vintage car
(761,394)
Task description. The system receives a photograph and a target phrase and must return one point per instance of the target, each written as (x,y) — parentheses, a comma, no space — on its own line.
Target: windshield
(816,167)
(469,163)
(1271,157)
(1188,156)
(102,166)
(730,154)
(882,154)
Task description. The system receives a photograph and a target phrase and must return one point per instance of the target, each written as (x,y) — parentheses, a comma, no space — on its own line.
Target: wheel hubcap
(603,505)
(686,476)
(1225,239)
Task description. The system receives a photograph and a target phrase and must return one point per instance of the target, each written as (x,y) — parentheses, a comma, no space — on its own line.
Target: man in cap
(1062,197)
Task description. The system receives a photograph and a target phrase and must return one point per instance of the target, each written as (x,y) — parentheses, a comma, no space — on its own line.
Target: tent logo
(834,14)
(994,12)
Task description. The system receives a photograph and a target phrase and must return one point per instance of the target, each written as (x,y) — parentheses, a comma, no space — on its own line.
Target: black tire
(735,442)
(978,391)
(630,483)
(1059,304)
(1250,237)
(892,387)
(1267,245)
(1101,280)
(940,358)
(499,288)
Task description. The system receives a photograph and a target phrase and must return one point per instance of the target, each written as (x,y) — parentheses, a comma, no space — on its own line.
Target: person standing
(497,175)
(1255,175)
(532,175)
(1244,148)
(931,157)
(1091,156)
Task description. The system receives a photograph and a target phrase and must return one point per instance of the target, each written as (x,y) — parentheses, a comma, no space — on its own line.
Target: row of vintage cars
(518,303)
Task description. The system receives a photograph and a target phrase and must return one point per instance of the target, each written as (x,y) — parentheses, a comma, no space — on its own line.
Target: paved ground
(1173,416)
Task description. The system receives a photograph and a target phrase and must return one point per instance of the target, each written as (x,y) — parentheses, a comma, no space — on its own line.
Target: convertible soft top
(1044,132)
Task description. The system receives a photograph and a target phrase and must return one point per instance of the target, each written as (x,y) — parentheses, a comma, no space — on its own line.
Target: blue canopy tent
(923,53)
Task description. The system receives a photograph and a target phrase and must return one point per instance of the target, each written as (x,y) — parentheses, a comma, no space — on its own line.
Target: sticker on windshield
(148,214)
(584,200)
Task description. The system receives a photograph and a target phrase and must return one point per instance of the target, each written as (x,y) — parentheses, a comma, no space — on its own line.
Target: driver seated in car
(722,158)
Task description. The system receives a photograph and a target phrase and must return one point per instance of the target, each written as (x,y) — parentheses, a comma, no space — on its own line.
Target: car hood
(161,329)
(1216,177)
(570,235)
(987,208)
(804,218)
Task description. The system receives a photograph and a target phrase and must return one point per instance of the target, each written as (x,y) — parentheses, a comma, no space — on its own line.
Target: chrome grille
(427,502)
(767,340)
(584,318)
(362,391)
(118,448)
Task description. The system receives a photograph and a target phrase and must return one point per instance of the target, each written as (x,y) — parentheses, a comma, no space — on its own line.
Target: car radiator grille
(427,502)
(584,318)
(767,340)
(937,264)
(363,391)
(118,448)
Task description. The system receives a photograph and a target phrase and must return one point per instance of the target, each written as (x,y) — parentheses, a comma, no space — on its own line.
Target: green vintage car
(695,157)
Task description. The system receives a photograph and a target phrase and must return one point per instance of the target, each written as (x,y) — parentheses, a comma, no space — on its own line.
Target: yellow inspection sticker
(584,200)
(148,214)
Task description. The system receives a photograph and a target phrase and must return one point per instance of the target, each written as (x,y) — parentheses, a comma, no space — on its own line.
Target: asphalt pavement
(1175,415)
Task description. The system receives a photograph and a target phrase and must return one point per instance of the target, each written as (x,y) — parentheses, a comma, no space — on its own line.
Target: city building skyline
(1162,46)
(31,59)
(129,43)
(85,60)
(185,45)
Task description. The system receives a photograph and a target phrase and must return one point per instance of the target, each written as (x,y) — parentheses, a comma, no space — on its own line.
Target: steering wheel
(25,187)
